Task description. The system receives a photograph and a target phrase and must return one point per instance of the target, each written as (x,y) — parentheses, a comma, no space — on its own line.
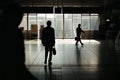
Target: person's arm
(82,31)
(54,36)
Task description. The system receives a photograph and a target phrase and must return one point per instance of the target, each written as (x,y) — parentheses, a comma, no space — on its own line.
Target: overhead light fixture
(107,20)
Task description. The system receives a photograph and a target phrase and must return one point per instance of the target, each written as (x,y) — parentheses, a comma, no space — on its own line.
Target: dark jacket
(48,36)
(78,31)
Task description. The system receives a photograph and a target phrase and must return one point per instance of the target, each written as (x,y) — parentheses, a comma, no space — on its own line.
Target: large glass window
(51,18)
(40,22)
(68,31)
(59,25)
(85,25)
(32,19)
(41,19)
(76,21)
(94,24)
(64,24)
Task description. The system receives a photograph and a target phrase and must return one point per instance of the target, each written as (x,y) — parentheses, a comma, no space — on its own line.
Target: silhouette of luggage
(54,51)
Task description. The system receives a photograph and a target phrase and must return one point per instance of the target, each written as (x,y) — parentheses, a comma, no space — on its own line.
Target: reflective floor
(95,60)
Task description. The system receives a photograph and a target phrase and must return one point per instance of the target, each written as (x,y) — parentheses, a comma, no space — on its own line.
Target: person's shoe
(45,62)
(82,44)
(50,63)
(76,44)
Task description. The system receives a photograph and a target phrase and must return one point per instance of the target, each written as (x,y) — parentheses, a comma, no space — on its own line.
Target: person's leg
(50,56)
(78,39)
(76,43)
(46,54)
(81,42)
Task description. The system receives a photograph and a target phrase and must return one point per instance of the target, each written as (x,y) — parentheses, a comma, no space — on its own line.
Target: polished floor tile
(95,60)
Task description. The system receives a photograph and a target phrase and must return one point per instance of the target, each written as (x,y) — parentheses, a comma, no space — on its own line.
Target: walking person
(48,40)
(78,34)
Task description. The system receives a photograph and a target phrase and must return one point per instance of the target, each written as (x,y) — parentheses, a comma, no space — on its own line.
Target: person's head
(79,25)
(49,22)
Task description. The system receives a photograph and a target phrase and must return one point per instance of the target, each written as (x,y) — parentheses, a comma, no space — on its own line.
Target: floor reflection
(92,61)
(78,55)
(49,75)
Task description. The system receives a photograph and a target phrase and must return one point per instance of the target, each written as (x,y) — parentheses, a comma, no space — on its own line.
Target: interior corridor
(95,60)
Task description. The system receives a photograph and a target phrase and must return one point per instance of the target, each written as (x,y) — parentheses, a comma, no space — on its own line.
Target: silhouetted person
(48,40)
(12,50)
(78,34)
(113,28)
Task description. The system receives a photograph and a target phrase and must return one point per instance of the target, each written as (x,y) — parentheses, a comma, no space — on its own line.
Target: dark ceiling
(67,3)
(75,6)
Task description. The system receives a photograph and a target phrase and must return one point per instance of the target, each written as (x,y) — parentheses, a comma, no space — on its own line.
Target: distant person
(78,34)
(113,31)
(113,28)
(12,55)
(48,40)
